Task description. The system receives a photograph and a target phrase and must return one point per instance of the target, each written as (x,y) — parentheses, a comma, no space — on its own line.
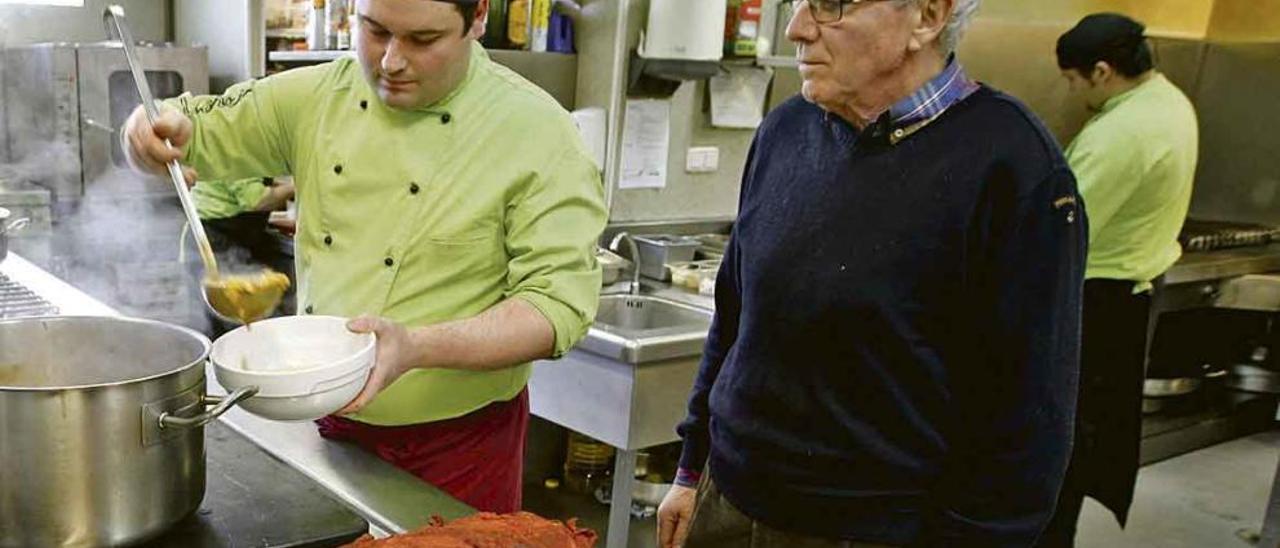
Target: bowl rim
(370,345)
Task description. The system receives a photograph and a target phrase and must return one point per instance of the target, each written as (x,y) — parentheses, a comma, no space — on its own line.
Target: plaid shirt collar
(949,87)
(923,106)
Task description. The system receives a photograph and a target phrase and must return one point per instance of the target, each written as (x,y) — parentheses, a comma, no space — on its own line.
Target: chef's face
(414,52)
(1090,89)
(840,59)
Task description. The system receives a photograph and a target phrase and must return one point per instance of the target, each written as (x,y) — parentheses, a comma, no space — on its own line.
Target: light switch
(702,160)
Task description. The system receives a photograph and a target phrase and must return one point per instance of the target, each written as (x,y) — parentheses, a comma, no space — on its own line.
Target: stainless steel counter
(390,499)
(1225,263)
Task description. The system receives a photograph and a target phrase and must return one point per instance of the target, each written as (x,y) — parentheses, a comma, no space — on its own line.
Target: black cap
(1110,37)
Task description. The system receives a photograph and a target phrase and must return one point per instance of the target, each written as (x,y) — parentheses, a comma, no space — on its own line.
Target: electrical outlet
(702,160)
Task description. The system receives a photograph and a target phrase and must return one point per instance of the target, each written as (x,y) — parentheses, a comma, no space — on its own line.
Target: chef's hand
(396,354)
(674,515)
(144,144)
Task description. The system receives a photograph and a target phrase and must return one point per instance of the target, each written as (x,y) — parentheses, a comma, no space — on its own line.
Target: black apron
(1104,460)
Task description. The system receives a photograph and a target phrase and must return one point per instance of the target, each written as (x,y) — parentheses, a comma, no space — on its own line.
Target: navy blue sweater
(895,350)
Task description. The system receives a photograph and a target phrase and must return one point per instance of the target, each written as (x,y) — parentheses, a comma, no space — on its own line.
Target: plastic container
(305,367)
(691,274)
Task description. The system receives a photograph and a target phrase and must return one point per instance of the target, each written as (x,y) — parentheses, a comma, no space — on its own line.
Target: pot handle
(221,405)
(17,225)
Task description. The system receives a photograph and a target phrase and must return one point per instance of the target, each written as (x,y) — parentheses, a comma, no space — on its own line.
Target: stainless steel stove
(17,301)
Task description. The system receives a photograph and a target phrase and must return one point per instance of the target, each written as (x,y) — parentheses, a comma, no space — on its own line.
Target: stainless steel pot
(101,425)
(7,226)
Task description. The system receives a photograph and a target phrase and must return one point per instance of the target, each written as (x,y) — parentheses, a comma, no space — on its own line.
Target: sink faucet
(635,258)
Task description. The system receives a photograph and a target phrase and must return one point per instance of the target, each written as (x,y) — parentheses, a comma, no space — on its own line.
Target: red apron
(477,458)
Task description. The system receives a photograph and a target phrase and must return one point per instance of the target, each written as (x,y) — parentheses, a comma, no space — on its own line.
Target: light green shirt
(421,216)
(226,199)
(1135,163)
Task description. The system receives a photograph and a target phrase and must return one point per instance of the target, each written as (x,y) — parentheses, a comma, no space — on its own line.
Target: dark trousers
(1104,460)
(717,524)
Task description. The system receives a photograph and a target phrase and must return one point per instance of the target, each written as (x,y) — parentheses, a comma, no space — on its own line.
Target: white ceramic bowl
(305,367)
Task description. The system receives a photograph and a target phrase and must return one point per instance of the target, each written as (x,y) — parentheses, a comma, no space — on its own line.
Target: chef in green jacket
(445,202)
(1135,162)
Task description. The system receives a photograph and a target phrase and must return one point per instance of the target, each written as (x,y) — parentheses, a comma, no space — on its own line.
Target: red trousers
(477,458)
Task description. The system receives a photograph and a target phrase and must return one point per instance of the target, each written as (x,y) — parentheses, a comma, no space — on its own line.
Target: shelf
(292,34)
(307,56)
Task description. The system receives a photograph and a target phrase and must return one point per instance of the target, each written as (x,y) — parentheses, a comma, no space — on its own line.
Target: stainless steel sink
(642,329)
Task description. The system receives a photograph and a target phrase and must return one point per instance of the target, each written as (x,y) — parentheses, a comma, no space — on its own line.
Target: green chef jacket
(1135,163)
(226,199)
(421,216)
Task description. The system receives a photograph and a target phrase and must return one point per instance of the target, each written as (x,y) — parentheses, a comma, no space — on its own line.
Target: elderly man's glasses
(828,11)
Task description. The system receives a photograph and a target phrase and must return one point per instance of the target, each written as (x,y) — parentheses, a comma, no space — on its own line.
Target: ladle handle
(117,26)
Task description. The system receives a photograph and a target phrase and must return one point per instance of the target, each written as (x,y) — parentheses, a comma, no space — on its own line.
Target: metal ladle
(242,299)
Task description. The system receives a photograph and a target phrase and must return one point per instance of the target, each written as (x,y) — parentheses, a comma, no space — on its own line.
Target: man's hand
(397,353)
(145,146)
(674,515)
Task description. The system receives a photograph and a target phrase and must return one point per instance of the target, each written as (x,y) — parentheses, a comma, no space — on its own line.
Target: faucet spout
(635,258)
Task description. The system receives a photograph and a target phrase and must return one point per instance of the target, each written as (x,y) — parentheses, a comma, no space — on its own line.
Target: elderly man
(893,359)
(441,194)
(1136,163)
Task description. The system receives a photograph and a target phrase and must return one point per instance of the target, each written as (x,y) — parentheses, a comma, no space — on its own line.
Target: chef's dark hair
(1116,39)
(468,10)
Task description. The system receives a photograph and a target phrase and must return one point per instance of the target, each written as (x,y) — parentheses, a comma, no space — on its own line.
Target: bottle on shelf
(539,24)
(337,25)
(518,23)
(317,38)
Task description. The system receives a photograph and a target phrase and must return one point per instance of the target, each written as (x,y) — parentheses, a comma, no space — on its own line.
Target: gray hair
(961,16)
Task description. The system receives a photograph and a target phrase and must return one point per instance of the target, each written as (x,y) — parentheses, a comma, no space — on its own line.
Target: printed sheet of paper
(646,142)
(737,97)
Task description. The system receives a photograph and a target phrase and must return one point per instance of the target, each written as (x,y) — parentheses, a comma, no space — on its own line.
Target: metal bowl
(1168,388)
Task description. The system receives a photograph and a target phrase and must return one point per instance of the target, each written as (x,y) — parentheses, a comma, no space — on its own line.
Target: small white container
(305,367)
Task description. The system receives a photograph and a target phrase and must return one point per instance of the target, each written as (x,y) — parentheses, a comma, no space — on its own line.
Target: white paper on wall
(646,142)
(738,95)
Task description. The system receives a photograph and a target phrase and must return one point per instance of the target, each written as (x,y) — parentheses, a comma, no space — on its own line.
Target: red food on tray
(522,529)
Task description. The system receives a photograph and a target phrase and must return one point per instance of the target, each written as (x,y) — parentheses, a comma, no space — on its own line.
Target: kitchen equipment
(294,512)
(690,275)
(1254,378)
(685,30)
(1167,388)
(8,225)
(64,105)
(305,367)
(241,299)
(634,252)
(659,250)
(1202,235)
(588,463)
(17,301)
(244,298)
(649,493)
(713,246)
(101,420)
(24,199)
